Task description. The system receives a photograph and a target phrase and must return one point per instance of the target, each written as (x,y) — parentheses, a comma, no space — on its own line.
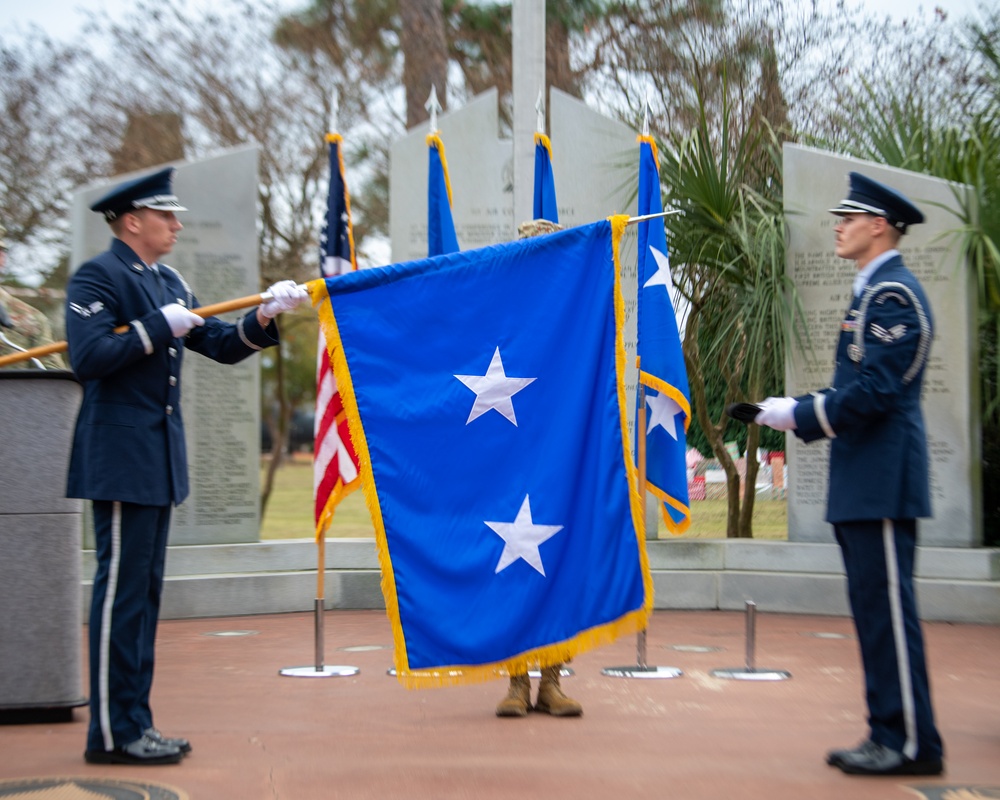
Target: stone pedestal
(40,541)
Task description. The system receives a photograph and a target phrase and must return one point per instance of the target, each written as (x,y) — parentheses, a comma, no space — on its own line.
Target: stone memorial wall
(814,182)
(216,252)
(595,162)
(480,171)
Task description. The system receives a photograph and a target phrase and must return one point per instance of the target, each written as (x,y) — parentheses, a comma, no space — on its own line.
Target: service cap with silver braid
(150,191)
(867,196)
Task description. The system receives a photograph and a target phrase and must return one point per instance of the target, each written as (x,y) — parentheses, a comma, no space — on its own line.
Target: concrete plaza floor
(258,735)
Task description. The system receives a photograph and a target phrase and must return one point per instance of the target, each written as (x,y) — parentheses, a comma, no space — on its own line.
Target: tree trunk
(425,56)
(713,430)
(750,485)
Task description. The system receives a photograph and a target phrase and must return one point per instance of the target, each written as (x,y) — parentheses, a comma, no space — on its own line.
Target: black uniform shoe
(877,759)
(834,757)
(170,741)
(142,751)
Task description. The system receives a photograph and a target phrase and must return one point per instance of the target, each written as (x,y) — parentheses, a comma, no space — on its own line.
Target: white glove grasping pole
(778,413)
(180,319)
(285,296)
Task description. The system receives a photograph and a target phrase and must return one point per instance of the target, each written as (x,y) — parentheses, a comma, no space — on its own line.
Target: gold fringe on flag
(433,140)
(542,139)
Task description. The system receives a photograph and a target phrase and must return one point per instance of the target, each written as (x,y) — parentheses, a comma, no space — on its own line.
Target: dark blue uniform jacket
(129,439)
(871,414)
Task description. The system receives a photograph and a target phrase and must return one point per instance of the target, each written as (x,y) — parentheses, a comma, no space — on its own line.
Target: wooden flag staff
(216,308)
(203,311)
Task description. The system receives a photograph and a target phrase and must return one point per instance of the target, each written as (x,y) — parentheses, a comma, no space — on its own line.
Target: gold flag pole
(320,668)
(646,217)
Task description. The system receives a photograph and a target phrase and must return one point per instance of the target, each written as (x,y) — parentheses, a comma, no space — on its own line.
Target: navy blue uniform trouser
(131,546)
(878,559)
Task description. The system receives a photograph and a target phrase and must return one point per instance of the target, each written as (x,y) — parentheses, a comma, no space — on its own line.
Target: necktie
(161,285)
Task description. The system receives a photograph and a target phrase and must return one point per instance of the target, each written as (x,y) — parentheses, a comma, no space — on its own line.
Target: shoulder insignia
(889,336)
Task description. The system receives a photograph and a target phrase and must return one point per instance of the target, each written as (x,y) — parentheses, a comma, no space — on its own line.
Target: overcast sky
(63,18)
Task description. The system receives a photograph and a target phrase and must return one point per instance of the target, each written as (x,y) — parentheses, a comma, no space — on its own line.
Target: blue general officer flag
(544,206)
(486,399)
(661,358)
(441,237)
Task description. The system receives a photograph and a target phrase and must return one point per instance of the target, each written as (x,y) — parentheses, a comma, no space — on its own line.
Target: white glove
(180,319)
(285,295)
(778,413)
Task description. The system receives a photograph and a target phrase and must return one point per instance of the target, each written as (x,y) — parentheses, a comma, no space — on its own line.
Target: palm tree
(728,252)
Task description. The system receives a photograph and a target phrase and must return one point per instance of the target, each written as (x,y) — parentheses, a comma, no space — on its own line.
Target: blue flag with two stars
(485,395)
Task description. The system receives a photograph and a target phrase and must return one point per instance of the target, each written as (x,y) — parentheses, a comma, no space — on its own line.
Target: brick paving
(258,735)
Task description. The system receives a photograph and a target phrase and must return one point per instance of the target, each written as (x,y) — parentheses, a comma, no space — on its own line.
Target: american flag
(335,464)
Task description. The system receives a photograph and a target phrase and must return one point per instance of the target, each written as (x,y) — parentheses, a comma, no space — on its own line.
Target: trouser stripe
(899,637)
(104,693)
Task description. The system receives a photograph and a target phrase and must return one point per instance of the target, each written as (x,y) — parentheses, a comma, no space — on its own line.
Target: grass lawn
(289,513)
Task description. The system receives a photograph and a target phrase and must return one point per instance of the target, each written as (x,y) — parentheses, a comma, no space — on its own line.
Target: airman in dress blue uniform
(128,453)
(879,484)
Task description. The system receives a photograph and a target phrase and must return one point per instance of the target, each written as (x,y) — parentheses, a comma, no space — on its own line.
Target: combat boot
(551,699)
(517,703)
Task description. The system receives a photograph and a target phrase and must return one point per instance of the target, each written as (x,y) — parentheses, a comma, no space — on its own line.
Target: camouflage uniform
(30,329)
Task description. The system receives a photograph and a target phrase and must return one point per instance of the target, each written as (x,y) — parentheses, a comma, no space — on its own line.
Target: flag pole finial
(432,107)
(645,115)
(540,111)
(334,109)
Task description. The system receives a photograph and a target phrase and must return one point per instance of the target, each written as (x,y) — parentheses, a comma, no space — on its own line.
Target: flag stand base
(325,671)
(319,669)
(751,672)
(640,669)
(743,674)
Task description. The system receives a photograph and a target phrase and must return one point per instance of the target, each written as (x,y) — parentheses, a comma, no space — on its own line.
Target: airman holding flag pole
(128,454)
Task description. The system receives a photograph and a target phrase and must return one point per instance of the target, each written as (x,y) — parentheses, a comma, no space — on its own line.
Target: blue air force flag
(544,205)
(441,236)
(661,359)
(486,400)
